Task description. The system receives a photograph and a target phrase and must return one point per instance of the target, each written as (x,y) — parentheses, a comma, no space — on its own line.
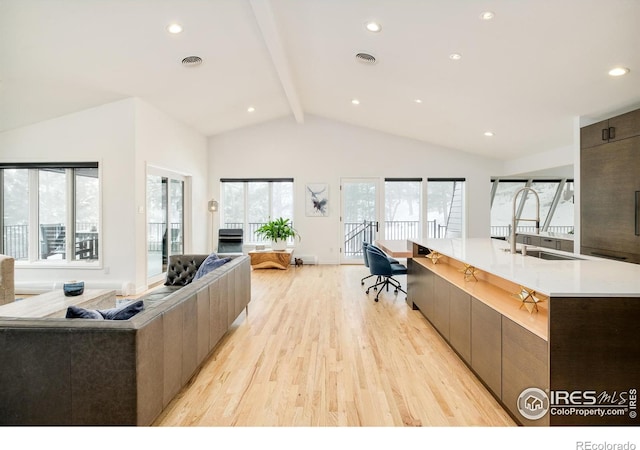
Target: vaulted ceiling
(524,75)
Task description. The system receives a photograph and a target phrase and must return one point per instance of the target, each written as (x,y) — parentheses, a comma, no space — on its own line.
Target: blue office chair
(380,265)
(366,264)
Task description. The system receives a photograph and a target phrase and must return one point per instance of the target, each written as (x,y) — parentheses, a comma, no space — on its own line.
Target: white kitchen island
(573,360)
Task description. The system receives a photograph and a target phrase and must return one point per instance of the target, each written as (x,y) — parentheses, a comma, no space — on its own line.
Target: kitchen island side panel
(594,351)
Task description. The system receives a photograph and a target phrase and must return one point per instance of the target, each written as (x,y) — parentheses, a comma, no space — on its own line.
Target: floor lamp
(213,208)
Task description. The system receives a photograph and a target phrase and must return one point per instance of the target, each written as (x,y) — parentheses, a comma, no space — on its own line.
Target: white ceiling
(524,75)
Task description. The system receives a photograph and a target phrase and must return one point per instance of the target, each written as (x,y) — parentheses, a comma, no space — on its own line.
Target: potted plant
(277,231)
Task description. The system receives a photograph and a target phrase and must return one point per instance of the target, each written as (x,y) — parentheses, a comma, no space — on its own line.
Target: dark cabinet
(550,243)
(486,345)
(420,287)
(524,365)
(445,305)
(440,319)
(504,355)
(610,191)
(617,128)
(460,322)
(610,179)
(565,245)
(528,239)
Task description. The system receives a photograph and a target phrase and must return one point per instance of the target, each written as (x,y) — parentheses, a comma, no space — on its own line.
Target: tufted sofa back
(182,269)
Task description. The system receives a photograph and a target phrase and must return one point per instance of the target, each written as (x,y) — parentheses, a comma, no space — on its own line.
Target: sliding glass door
(165,220)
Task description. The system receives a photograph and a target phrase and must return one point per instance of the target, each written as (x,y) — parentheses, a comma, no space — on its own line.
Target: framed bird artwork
(317,199)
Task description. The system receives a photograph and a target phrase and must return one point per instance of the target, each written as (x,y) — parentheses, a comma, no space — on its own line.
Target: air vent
(366,58)
(192,61)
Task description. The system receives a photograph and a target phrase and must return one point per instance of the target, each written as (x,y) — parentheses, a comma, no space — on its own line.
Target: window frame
(387,233)
(433,231)
(546,220)
(33,259)
(248,236)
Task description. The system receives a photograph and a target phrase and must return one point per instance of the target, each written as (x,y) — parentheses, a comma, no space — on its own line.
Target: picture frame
(317,199)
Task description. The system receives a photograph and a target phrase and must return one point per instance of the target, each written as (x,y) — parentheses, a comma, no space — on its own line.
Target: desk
(396,248)
(271,259)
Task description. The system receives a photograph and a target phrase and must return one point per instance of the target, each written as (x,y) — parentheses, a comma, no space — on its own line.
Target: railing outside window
(157,236)
(16,239)
(250,236)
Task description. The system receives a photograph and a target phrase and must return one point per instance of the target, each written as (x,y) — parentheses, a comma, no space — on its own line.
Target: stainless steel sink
(549,255)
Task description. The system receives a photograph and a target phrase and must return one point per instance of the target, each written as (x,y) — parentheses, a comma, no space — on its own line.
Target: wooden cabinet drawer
(460,322)
(528,240)
(524,365)
(420,288)
(566,245)
(486,345)
(550,243)
(440,320)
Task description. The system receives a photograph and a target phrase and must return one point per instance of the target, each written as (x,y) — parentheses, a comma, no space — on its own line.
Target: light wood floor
(315,350)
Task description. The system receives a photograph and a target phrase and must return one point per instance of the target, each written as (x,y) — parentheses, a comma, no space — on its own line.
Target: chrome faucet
(512,237)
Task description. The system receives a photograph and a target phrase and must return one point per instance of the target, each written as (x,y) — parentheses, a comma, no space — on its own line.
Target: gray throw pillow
(209,265)
(75,312)
(123,312)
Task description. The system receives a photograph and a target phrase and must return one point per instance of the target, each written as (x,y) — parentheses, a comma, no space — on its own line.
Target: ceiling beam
(267,24)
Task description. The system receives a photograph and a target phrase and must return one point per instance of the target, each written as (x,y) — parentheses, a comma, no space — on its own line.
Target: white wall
(557,161)
(123,137)
(104,134)
(163,143)
(322,150)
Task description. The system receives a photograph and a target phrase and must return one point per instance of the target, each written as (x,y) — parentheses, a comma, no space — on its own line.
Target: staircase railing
(356,234)
(454,218)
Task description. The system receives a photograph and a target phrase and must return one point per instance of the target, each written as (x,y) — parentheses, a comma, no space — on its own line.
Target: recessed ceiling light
(251,109)
(355,101)
(618,71)
(174,28)
(417,100)
(487,15)
(374,27)
(488,133)
(455,56)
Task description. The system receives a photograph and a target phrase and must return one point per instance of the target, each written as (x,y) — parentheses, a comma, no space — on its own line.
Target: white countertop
(588,277)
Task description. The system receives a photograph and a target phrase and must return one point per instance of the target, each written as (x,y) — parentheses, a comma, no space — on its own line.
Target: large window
(501,205)
(556,205)
(445,207)
(562,220)
(50,211)
(402,200)
(249,203)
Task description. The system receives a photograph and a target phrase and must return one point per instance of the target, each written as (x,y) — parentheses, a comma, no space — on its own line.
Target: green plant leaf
(279,228)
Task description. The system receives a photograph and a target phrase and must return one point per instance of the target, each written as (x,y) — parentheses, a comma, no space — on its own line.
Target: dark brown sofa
(58,371)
